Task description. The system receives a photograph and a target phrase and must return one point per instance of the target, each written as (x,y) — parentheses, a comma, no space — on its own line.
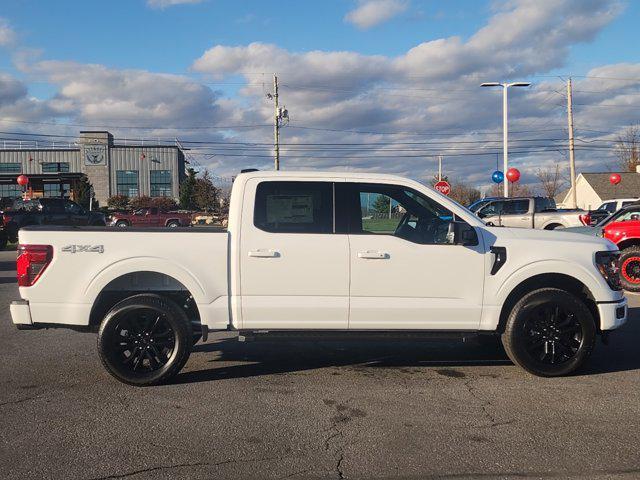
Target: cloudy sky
(378,85)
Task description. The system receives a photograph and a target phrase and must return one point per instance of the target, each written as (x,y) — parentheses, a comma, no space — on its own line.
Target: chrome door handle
(373,255)
(263,253)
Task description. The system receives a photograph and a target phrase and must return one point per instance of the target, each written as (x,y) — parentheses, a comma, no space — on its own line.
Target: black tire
(122,224)
(145,340)
(630,269)
(173,224)
(550,333)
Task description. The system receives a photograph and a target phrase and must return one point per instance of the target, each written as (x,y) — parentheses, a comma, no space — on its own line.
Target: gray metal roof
(629,187)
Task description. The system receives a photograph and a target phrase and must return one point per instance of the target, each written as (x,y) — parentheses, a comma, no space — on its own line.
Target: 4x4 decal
(83,249)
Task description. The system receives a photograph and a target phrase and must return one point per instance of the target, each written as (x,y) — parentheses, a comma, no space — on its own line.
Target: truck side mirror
(461,233)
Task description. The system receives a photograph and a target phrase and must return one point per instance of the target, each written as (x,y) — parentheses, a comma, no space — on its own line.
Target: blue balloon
(497,176)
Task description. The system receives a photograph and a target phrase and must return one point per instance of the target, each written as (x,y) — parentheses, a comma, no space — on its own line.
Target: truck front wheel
(549,333)
(145,340)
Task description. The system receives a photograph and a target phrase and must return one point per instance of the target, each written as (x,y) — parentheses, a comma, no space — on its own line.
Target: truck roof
(322,174)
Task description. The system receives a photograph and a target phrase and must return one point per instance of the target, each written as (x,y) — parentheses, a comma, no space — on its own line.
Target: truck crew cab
(312,253)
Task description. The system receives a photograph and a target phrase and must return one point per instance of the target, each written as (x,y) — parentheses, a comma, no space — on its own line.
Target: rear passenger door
(294,270)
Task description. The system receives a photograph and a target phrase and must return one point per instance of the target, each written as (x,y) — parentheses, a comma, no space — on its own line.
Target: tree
(381,204)
(188,190)
(142,201)
(464,193)
(551,181)
(206,194)
(515,190)
(118,202)
(164,203)
(83,193)
(627,149)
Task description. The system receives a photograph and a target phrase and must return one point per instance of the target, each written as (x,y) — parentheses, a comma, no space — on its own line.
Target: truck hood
(583,230)
(549,236)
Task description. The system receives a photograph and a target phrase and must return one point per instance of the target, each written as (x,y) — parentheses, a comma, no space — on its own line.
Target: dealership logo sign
(95,155)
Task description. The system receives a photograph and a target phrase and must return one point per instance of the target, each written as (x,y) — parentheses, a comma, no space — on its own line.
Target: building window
(161,183)
(56,190)
(10,191)
(127,183)
(10,168)
(53,167)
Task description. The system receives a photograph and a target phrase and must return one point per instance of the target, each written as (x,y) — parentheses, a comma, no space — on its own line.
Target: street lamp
(505,123)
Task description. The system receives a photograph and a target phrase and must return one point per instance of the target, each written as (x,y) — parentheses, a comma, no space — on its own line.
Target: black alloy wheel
(145,340)
(550,332)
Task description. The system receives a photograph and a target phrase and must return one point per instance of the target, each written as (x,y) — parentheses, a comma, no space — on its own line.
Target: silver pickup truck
(528,212)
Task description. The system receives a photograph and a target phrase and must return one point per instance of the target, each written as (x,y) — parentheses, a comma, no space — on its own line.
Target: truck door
(405,274)
(517,213)
(294,270)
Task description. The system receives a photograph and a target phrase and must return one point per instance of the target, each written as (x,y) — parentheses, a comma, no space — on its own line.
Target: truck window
(294,207)
(379,209)
(491,210)
(72,208)
(544,204)
(516,207)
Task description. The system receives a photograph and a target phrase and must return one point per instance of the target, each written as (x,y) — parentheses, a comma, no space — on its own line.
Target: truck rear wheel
(549,333)
(630,269)
(145,340)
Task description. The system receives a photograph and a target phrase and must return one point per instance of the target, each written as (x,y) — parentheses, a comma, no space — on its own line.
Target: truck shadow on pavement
(232,359)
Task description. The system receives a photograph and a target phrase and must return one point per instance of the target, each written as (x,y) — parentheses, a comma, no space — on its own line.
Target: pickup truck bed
(106,261)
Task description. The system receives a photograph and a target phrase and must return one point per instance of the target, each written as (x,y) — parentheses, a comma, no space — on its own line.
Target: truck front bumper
(612,314)
(21,314)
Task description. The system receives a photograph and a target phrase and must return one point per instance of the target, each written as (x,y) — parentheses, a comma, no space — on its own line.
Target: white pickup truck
(316,254)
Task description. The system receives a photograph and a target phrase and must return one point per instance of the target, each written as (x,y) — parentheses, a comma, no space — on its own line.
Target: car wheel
(630,269)
(554,226)
(145,340)
(173,224)
(122,224)
(549,333)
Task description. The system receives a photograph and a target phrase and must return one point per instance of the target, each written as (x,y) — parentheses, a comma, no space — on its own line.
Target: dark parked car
(45,211)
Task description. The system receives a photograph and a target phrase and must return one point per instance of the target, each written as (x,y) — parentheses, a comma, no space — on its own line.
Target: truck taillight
(32,261)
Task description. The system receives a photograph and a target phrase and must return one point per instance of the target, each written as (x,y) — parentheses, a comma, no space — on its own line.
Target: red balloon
(615,178)
(513,175)
(22,180)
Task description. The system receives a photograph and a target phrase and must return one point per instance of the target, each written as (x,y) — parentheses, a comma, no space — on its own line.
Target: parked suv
(45,211)
(624,231)
(150,217)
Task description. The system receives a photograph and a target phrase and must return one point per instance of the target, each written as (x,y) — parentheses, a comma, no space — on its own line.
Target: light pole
(505,124)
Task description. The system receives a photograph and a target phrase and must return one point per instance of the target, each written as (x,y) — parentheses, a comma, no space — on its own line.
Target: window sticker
(289,209)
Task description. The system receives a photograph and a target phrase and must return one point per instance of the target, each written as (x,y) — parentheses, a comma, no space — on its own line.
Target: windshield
(623,215)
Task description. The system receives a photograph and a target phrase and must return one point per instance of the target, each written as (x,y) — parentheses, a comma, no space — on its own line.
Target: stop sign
(443,187)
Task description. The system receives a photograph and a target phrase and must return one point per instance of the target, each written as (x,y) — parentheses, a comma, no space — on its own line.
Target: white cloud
(7,34)
(170,3)
(370,13)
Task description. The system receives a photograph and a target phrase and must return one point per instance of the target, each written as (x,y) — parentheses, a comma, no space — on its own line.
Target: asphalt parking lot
(330,410)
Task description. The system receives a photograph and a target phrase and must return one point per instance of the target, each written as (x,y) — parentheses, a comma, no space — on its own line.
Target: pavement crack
(20,400)
(484,407)
(157,468)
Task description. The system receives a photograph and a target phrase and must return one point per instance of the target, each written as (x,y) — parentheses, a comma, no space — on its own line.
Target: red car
(150,217)
(626,235)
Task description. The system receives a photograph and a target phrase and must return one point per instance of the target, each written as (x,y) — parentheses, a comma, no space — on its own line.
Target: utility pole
(276,124)
(572,158)
(439,167)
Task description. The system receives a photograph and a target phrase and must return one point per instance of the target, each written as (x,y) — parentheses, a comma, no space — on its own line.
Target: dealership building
(128,168)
